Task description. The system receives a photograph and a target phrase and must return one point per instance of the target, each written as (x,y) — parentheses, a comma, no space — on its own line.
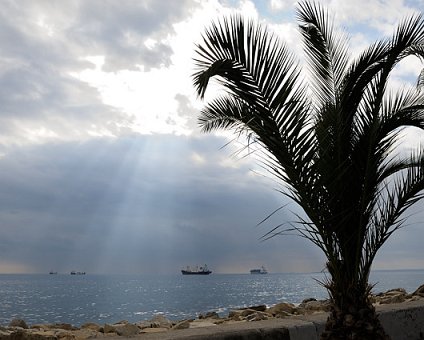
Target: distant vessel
(52,273)
(196,270)
(261,270)
(77,273)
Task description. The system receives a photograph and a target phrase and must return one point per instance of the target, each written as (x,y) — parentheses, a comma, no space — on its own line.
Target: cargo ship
(261,270)
(196,270)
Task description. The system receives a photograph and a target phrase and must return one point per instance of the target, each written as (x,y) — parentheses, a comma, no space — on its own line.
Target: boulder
(126,329)
(247,312)
(235,315)
(4,334)
(86,333)
(22,334)
(283,309)
(182,324)
(108,328)
(154,330)
(65,335)
(312,305)
(396,291)
(40,326)
(64,326)
(259,308)
(144,324)
(391,296)
(18,323)
(257,316)
(122,329)
(161,322)
(91,325)
(211,315)
(419,291)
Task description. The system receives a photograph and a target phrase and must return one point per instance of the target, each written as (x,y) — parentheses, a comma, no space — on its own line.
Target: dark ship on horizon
(261,270)
(196,270)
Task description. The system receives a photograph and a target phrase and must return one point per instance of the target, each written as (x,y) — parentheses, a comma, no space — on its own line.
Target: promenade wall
(404,321)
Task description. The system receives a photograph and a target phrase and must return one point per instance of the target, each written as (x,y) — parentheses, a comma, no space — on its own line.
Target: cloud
(150,204)
(83,189)
(109,204)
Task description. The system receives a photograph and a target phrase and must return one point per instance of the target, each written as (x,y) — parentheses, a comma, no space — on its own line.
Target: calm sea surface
(108,298)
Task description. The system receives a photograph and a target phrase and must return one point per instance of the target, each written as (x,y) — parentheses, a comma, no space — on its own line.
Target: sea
(77,299)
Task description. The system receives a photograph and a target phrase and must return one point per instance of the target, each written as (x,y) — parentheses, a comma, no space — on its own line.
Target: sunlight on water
(102,298)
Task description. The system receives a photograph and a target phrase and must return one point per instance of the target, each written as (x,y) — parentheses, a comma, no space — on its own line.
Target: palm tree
(330,139)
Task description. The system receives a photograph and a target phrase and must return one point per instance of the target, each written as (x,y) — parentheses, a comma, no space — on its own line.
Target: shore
(18,329)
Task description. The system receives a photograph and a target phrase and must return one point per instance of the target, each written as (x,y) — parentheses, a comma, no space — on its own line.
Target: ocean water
(102,299)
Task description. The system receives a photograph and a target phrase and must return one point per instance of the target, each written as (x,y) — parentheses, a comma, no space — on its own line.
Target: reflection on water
(110,298)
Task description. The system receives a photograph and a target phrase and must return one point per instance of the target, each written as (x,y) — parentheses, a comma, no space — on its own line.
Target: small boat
(52,273)
(196,270)
(77,273)
(261,270)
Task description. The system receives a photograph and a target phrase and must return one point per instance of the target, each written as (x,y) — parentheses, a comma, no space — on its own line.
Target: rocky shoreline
(18,329)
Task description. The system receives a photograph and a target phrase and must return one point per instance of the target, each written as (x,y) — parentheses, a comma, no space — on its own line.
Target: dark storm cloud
(152,204)
(132,204)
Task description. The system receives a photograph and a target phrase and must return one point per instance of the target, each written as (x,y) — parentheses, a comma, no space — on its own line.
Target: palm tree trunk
(352,315)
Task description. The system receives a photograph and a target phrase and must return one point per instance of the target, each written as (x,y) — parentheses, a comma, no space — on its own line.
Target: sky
(103,167)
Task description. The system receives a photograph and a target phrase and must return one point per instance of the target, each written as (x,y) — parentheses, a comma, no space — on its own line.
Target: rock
(313,305)
(259,308)
(22,334)
(182,324)
(144,324)
(246,312)
(154,330)
(161,322)
(211,315)
(282,309)
(392,299)
(395,291)
(158,321)
(126,329)
(50,335)
(240,312)
(4,334)
(64,326)
(108,328)
(391,296)
(419,291)
(235,315)
(65,335)
(41,326)
(257,316)
(91,325)
(87,334)
(18,323)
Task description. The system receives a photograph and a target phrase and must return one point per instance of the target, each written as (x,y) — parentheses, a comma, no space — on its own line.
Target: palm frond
(326,51)
(405,191)
(225,112)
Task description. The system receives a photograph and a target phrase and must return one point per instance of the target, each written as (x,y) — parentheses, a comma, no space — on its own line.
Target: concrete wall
(403,321)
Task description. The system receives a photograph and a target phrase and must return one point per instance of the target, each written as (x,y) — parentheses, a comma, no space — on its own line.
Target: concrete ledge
(404,321)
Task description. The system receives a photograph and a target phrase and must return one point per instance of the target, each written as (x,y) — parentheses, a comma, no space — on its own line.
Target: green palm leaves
(330,139)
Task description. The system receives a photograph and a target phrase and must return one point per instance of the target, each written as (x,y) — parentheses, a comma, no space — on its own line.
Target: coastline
(309,309)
